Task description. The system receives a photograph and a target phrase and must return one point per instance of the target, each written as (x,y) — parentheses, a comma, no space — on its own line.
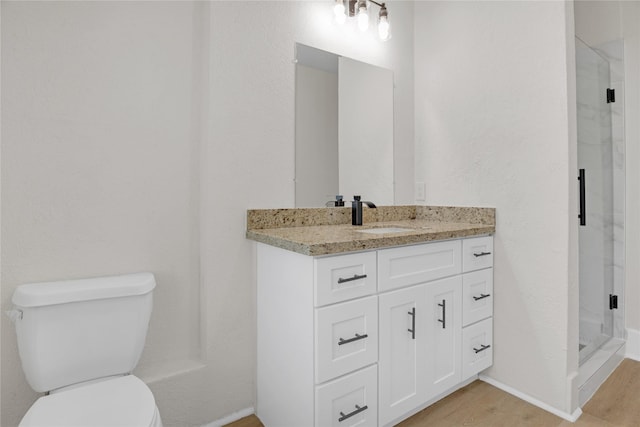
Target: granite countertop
(325,231)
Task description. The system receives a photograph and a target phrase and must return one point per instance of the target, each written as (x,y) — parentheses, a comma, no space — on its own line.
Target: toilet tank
(79,330)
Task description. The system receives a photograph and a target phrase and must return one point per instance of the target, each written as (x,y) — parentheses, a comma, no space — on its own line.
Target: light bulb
(383,28)
(363,16)
(338,11)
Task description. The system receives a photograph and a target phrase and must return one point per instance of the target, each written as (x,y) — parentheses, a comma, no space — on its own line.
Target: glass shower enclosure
(597,188)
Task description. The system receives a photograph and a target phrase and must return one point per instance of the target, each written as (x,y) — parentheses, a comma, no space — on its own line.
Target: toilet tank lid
(65,291)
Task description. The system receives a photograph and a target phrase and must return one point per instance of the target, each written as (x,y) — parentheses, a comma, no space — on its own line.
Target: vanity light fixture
(360,10)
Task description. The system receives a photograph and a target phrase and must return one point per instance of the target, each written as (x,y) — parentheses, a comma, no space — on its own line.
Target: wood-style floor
(617,403)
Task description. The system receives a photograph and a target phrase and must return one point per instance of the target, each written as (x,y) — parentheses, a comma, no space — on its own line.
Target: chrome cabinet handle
(482,348)
(482,296)
(350,279)
(412,313)
(444,314)
(351,414)
(479,254)
(358,337)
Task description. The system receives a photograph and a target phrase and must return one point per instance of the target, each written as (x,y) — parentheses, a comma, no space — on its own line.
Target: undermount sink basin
(385,230)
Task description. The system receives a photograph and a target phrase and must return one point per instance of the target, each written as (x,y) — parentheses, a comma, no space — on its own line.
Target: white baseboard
(564,415)
(231,418)
(633,344)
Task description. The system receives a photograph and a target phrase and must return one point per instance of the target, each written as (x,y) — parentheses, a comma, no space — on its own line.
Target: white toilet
(79,340)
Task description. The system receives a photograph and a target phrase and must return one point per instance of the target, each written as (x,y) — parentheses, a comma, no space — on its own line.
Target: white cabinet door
(443,327)
(402,364)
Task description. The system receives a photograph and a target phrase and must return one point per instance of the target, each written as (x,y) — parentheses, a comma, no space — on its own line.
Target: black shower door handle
(583,197)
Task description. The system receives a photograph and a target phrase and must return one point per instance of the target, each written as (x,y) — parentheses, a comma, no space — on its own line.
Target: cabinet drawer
(477,253)
(409,265)
(477,347)
(477,296)
(346,337)
(349,401)
(344,277)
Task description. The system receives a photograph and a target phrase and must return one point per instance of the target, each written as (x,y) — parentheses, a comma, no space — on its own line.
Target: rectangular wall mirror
(344,129)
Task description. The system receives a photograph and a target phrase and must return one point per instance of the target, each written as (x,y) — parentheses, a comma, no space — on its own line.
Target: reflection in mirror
(344,129)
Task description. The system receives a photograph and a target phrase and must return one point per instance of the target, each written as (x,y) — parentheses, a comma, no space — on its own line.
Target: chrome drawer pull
(351,414)
(481,254)
(444,314)
(350,279)
(412,313)
(482,348)
(356,338)
(482,296)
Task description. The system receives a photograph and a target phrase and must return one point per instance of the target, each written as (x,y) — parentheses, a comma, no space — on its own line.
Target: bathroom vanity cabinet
(370,338)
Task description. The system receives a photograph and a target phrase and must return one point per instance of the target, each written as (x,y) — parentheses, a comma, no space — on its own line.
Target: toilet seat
(120,402)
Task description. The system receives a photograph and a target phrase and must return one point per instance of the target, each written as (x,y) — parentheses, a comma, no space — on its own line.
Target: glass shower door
(595,163)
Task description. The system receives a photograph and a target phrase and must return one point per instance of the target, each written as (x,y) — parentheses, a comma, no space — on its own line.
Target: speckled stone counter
(325,231)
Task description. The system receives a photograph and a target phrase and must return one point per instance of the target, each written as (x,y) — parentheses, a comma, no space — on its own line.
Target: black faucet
(356,210)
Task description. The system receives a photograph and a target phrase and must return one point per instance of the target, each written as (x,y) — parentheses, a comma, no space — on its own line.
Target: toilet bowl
(78,341)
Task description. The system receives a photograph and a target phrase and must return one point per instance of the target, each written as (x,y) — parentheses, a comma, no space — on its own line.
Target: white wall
(598,22)
(493,128)
(136,136)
